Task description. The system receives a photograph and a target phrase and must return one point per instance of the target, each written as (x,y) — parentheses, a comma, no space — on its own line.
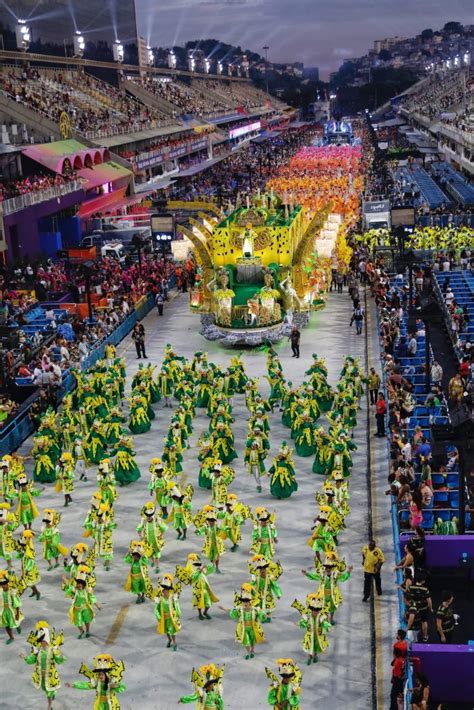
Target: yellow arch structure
(200,246)
(203,230)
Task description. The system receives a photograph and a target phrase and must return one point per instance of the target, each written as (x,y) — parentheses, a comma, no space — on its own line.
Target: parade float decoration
(258,270)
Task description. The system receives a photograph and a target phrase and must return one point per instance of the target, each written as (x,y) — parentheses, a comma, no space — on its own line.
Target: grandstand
(454,183)
(416,182)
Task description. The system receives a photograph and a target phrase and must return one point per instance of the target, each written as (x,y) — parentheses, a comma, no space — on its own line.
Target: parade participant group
(91,441)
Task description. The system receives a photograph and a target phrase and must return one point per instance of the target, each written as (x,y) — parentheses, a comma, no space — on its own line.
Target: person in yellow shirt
(372,560)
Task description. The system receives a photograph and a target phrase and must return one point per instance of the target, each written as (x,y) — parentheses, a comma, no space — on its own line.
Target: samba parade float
(259,270)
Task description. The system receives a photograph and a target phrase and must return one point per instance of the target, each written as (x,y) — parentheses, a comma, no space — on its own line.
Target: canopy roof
(59,155)
(103,173)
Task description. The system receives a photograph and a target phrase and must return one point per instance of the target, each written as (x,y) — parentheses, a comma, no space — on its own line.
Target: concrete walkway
(156,677)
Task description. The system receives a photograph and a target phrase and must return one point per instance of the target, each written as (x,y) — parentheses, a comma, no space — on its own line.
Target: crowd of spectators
(40,360)
(440,93)
(184,99)
(32,183)
(93,106)
(246,170)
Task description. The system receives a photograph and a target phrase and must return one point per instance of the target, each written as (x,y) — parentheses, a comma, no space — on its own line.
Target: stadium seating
(454,183)
(445,503)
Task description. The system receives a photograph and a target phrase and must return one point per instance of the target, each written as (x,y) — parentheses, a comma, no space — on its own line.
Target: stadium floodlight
(207,65)
(457,60)
(79,44)
(23,35)
(220,67)
(171,59)
(238,70)
(467,58)
(229,69)
(150,55)
(448,64)
(191,62)
(117,49)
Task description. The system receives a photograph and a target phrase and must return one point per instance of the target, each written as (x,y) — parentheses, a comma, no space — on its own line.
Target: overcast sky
(317,32)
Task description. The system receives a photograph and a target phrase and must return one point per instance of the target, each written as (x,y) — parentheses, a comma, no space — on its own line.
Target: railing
(15,204)
(126,130)
(457,134)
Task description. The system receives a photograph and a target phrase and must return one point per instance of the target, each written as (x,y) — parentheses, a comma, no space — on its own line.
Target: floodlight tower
(23,35)
(118,53)
(171,59)
(79,44)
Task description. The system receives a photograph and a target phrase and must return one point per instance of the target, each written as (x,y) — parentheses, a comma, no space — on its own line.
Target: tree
(453,28)
(385,55)
(427,34)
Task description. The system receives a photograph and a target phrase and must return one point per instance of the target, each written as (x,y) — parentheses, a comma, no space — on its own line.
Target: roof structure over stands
(103,173)
(53,155)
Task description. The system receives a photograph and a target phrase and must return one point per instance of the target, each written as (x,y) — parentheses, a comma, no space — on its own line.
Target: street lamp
(23,36)
(79,44)
(265,49)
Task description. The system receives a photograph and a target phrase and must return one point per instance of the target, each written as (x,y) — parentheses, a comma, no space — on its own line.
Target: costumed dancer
(100,527)
(329,573)
(208,692)
(65,477)
(314,619)
(26,509)
(106,483)
(168,610)
(125,469)
(264,534)
(254,457)
(25,552)
(114,427)
(81,611)
(158,485)
(206,457)
(44,466)
(7,478)
(248,617)
(233,516)
(139,420)
(138,580)
(181,506)
(80,459)
(151,529)
(323,536)
(51,538)
(282,472)
(166,383)
(223,443)
(221,478)
(10,604)
(8,523)
(285,691)
(45,656)
(195,573)
(105,679)
(95,443)
(265,575)
(320,459)
(206,524)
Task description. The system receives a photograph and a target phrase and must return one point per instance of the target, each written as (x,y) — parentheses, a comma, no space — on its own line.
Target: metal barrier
(15,204)
(20,428)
